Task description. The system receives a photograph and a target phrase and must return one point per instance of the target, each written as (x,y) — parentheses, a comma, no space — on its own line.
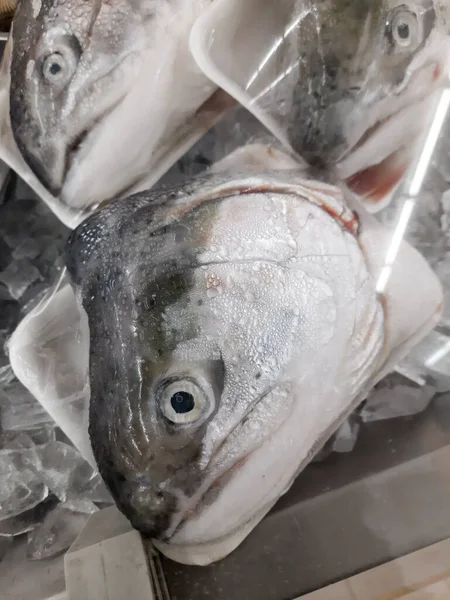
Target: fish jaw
(93,136)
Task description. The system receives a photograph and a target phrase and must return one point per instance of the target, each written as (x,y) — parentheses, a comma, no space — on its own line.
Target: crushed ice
(48,490)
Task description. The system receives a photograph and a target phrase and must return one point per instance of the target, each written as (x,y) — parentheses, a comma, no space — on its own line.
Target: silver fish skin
(95,86)
(365,85)
(234,322)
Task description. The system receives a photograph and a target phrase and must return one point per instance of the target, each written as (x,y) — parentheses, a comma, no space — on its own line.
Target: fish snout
(45,156)
(322,108)
(317,133)
(48,164)
(44,152)
(147,505)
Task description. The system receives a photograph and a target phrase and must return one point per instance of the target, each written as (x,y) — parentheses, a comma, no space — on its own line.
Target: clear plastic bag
(349,86)
(178,292)
(151,101)
(222,326)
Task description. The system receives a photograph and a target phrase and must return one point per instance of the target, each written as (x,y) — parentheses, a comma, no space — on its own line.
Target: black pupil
(182,402)
(403,30)
(55,68)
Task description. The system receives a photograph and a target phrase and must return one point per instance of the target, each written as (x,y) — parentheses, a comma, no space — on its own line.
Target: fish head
(72,63)
(367,75)
(203,315)
(349,85)
(100,92)
(233,322)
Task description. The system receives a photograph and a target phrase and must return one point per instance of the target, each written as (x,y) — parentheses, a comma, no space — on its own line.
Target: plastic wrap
(336,83)
(134,104)
(49,353)
(274,274)
(175,291)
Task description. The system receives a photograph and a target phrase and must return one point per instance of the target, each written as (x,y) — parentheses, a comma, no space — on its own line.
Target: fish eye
(53,67)
(59,66)
(404,29)
(184,402)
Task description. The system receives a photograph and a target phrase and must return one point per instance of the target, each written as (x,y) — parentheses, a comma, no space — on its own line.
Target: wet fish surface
(234,323)
(99,90)
(363,99)
(348,85)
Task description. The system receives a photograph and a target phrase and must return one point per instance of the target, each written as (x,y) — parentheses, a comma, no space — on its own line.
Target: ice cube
(432,357)
(6,375)
(22,441)
(43,434)
(28,248)
(56,533)
(323,453)
(18,276)
(61,467)
(40,435)
(346,436)
(343,440)
(20,489)
(95,491)
(81,506)
(86,484)
(396,396)
(28,520)
(68,475)
(20,410)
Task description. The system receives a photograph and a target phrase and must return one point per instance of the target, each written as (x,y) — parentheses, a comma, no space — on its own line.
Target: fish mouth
(72,150)
(79,142)
(75,146)
(374,166)
(376,182)
(214,488)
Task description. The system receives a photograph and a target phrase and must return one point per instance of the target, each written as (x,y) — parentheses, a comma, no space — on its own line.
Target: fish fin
(229,44)
(49,355)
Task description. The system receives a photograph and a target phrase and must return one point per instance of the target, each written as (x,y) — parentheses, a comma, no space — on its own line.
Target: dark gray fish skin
(339,71)
(127,271)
